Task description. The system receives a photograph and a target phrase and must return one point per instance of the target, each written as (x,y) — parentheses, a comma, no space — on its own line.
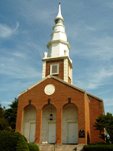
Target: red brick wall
(61,68)
(59,99)
(96,109)
(87,118)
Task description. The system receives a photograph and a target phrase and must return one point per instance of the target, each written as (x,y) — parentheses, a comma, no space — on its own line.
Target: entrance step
(48,147)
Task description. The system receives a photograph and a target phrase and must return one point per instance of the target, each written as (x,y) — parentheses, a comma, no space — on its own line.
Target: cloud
(96,79)
(17,71)
(108,103)
(100,48)
(7,31)
(34,11)
(100,77)
(19,62)
(91,40)
(18,54)
(109,4)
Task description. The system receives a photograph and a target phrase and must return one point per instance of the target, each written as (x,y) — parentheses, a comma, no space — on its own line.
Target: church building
(55,111)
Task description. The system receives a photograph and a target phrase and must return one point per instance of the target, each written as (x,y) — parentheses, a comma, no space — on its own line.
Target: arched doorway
(70,124)
(29,123)
(49,124)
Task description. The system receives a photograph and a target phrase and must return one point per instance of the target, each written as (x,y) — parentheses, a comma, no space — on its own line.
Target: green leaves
(105,122)
(8,116)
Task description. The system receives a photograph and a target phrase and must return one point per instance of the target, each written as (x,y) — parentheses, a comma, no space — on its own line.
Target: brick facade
(61,67)
(75,111)
(88,108)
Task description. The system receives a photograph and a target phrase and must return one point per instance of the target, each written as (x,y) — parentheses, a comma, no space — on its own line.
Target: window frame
(51,66)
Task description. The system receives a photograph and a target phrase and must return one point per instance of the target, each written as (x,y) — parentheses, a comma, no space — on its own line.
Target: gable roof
(62,81)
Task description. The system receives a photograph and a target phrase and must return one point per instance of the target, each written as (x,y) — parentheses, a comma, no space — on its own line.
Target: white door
(32,131)
(72,133)
(52,133)
(26,130)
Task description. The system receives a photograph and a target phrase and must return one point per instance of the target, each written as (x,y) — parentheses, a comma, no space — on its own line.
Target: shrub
(8,141)
(33,147)
(98,147)
(12,141)
(3,123)
(22,144)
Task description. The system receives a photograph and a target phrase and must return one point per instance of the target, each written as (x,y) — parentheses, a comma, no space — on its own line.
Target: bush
(3,123)
(8,141)
(12,141)
(33,147)
(98,147)
(22,144)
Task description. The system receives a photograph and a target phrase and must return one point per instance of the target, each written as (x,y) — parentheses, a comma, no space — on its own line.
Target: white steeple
(58,45)
(56,60)
(59,16)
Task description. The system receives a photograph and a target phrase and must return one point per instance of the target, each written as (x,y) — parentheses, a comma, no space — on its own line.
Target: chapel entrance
(52,133)
(29,123)
(49,124)
(70,124)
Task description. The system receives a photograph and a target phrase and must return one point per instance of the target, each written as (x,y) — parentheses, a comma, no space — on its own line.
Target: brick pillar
(19,121)
(38,126)
(81,125)
(59,126)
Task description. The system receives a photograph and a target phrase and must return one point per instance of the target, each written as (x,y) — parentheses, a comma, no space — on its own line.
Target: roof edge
(30,87)
(60,80)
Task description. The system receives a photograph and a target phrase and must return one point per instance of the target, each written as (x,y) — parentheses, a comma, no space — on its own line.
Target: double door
(29,130)
(51,133)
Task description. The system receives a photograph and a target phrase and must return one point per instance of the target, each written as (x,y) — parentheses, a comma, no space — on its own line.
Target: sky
(25,30)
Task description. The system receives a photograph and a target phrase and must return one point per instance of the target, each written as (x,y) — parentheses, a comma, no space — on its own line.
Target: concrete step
(46,147)
(65,147)
(80,147)
(50,147)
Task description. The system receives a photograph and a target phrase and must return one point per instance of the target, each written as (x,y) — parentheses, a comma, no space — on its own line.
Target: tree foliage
(105,122)
(11,113)
(8,116)
(3,122)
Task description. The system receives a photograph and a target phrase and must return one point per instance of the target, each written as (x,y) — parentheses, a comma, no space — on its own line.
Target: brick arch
(29,122)
(46,103)
(72,102)
(29,103)
(70,124)
(33,105)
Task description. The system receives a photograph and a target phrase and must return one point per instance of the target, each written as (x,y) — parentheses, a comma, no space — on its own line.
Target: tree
(3,122)
(11,113)
(105,122)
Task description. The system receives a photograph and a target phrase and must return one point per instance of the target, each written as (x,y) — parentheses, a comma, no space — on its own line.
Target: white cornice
(58,41)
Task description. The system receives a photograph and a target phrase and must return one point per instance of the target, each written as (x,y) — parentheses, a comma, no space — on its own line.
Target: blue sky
(25,29)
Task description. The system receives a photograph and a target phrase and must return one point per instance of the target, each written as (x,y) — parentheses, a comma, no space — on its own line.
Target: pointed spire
(59,15)
(58,45)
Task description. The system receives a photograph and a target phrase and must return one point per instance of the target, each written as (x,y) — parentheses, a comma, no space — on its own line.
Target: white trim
(66,70)
(43,69)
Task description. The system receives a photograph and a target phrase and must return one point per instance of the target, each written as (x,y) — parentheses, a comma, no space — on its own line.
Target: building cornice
(58,41)
(58,58)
